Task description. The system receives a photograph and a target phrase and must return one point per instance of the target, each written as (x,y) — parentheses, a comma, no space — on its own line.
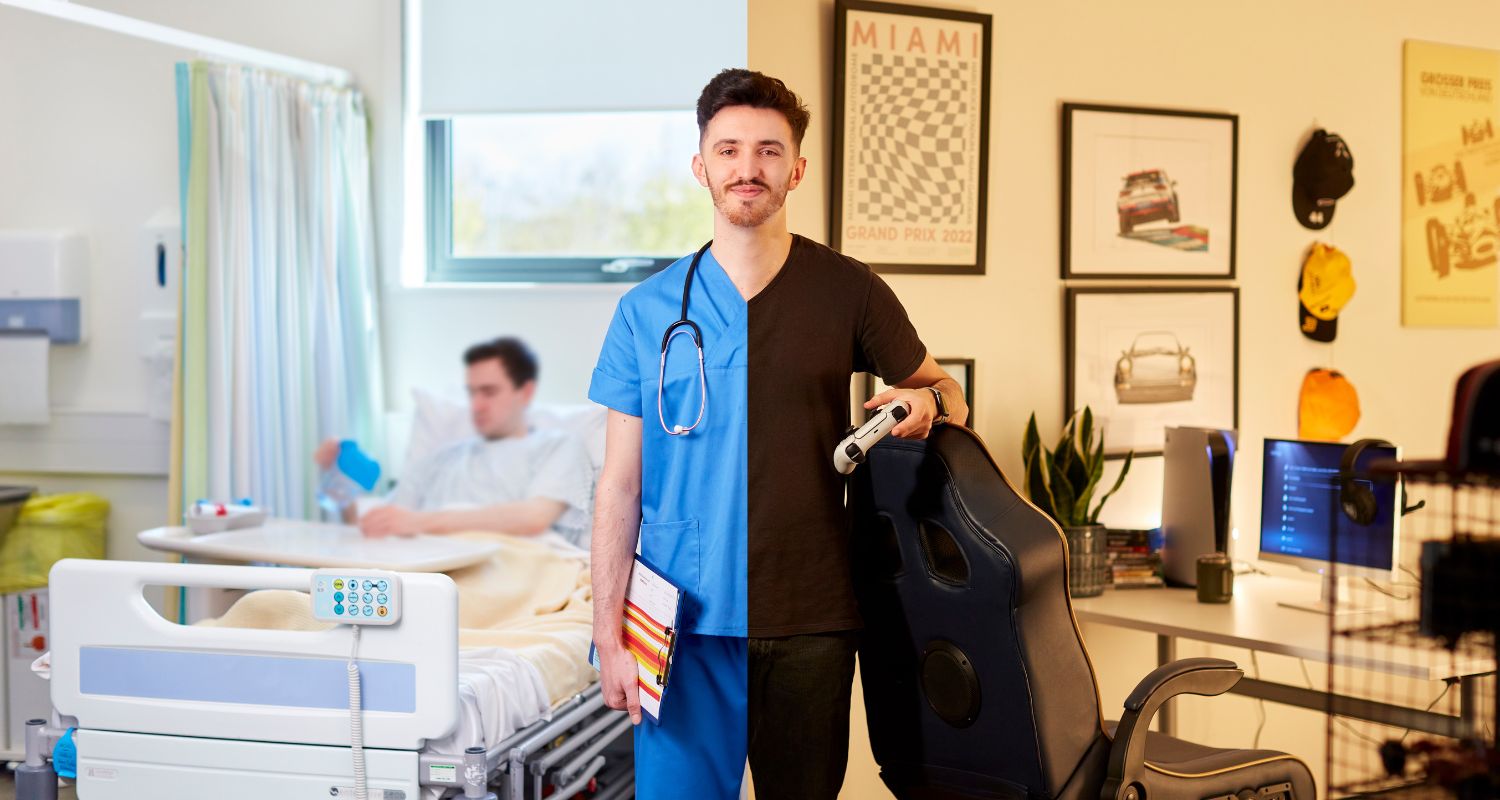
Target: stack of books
(1134,560)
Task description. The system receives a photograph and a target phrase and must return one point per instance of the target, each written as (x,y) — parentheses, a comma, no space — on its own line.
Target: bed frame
(175,712)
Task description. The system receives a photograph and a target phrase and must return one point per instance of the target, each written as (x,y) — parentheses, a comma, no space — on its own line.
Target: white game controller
(851,452)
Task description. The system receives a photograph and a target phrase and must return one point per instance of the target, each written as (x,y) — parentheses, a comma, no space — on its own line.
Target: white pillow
(587,421)
(440,421)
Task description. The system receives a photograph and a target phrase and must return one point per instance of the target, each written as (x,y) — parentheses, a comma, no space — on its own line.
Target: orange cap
(1328,408)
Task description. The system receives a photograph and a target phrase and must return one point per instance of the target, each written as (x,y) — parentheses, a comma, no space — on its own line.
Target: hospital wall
(1283,67)
(88,142)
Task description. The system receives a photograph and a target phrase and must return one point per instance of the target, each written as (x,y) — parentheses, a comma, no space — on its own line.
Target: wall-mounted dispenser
(43,286)
(43,283)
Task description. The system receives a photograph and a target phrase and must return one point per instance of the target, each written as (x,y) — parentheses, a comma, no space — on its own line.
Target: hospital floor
(8,787)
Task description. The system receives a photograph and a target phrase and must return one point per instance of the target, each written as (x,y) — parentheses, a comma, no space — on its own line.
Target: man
(740,504)
(507,478)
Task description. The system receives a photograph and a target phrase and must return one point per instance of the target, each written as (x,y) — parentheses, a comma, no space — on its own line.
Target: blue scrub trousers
(699,749)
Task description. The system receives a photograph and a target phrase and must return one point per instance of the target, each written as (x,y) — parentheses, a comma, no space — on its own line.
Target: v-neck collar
(718,275)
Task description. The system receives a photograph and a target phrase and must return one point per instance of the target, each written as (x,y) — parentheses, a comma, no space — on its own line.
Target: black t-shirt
(821,319)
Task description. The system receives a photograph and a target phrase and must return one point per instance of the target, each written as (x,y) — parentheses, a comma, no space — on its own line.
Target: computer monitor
(1302,524)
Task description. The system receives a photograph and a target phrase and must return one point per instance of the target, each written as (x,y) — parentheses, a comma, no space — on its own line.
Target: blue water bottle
(353,474)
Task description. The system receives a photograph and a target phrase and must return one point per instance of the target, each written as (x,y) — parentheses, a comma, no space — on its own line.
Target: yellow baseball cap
(1323,288)
(1328,408)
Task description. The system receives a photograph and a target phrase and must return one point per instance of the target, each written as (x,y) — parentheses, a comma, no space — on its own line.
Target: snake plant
(1062,481)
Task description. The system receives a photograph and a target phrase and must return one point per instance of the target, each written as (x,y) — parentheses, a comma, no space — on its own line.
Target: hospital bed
(174,712)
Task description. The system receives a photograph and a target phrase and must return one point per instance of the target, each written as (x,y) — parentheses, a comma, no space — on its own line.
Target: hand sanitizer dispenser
(43,280)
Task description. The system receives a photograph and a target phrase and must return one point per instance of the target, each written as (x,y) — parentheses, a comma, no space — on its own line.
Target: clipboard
(652,606)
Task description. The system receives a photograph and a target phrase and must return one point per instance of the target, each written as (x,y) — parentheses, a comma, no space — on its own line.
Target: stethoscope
(683,325)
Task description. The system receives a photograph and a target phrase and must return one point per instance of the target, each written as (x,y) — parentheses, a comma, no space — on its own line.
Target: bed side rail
(118,665)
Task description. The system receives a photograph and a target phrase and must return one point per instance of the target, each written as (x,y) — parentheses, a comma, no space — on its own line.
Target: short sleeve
(617,383)
(888,344)
(564,474)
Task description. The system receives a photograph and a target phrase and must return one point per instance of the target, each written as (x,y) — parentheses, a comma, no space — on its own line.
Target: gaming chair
(977,683)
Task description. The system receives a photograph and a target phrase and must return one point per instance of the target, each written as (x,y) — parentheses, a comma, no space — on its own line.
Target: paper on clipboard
(651,607)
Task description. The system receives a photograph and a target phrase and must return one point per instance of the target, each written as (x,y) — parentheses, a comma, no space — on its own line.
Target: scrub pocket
(673,548)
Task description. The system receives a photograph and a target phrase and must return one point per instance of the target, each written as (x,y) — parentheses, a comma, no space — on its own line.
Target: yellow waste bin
(50,528)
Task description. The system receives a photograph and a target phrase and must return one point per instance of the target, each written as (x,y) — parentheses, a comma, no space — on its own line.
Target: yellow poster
(1450,220)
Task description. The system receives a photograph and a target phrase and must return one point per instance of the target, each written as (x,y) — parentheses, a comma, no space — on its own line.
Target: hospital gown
(477,472)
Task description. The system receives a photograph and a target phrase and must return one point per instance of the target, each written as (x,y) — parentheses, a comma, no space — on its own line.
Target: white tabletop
(317,544)
(1254,620)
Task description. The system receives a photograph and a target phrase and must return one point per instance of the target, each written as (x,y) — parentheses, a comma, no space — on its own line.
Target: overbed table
(299,543)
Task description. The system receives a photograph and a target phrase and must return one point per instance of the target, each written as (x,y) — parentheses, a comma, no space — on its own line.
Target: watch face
(942,405)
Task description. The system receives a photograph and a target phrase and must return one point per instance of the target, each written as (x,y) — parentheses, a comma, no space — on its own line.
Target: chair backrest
(975,677)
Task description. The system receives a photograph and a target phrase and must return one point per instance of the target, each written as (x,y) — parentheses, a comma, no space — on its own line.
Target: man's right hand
(619,674)
(326,454)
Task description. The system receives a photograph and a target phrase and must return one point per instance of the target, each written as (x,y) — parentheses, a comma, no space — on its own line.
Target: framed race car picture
(1146,358)
(1148,193)
(911,116)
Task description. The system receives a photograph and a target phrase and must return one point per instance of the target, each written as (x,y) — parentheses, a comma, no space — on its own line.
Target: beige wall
(1283,67)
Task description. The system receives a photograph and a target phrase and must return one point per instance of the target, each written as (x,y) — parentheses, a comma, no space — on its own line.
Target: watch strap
(942,404)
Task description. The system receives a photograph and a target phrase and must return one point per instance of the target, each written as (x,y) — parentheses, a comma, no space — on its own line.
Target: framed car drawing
(1148,193)
(1146,358)
(910,137)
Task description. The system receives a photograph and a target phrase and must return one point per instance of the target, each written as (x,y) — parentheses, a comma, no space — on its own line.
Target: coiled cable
(356,722)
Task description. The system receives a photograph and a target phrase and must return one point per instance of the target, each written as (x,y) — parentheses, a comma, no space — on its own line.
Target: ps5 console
(1199,466)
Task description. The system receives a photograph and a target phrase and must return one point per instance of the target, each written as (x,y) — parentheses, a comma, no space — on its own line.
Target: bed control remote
(356,596)
(851,452)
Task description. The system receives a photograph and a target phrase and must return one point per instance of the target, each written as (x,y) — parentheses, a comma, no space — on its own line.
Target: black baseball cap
(1324,172)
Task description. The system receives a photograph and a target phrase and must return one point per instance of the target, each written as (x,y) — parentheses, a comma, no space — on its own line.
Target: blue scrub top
(694,488)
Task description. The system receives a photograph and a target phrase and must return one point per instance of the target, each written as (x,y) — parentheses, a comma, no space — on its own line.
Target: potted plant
(1062,482)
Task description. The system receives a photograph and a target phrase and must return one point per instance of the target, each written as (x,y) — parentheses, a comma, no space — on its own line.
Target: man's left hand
(390,521)
(921,411)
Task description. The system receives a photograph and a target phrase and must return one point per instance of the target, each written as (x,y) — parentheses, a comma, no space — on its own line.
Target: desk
(308,544)
(1253,620)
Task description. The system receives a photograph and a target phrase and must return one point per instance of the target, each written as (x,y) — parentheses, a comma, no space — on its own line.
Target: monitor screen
(1300,496)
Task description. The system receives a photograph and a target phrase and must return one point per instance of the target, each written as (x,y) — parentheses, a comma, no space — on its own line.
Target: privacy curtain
(280,344)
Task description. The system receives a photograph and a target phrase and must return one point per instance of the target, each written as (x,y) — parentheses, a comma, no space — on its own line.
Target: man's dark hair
(742,87)
(517,359)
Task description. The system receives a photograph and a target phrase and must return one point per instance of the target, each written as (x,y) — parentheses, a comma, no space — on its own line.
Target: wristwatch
(942,405)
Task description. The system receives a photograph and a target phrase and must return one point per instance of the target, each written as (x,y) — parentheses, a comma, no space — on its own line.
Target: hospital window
(562,197)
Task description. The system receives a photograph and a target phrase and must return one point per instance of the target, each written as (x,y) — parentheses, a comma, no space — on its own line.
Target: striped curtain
(280,340)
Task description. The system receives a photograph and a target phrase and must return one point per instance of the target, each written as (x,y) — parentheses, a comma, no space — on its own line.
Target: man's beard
(736,211)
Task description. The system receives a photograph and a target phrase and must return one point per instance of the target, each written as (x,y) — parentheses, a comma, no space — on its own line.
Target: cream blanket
(532,598)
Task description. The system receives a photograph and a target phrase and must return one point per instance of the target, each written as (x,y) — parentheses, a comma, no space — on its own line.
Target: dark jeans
(799,714)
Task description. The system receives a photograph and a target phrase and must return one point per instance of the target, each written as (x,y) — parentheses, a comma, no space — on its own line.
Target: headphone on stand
(1355,496)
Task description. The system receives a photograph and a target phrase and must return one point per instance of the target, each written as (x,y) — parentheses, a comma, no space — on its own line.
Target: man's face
(496,404)
(749,162)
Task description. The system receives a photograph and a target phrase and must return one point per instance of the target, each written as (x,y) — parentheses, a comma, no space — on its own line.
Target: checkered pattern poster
(910,146)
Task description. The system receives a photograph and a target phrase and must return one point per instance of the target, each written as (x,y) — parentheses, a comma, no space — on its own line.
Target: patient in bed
(507,478)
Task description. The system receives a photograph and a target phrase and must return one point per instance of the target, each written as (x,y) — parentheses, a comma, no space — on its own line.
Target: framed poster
(1450,197)
(1148,193)
(1146,358)
(962,370)
(911,107)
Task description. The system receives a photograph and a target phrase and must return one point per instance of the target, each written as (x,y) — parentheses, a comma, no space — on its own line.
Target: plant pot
(1088,564)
